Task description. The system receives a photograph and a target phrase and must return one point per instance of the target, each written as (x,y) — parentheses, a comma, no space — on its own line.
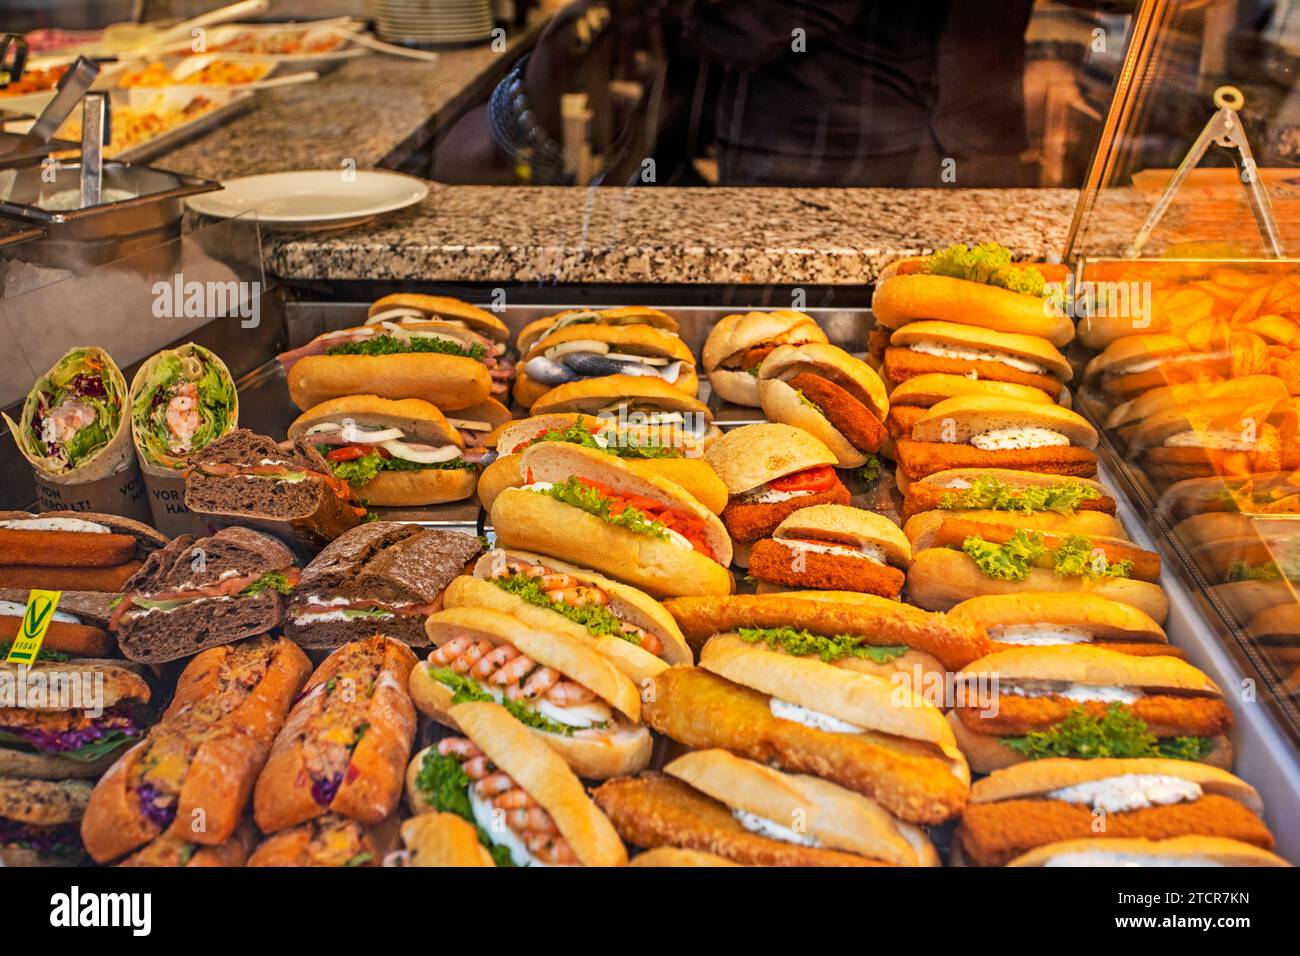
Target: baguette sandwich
(1028,805)
(391,453)
(1028,703)
(662,450)
(1199,851)
(200,592)
(40,821)
(581,505)
(174,852)
(573,698)
(72,550)
(247,479)
(625,625)
(924,347)
(982,432)
(191,778)
(771,471)
(738,344)
(328,841)
(538,329)
(910,398)
(863,732)
(1013,494)
(829,394)
(1064,618)
(380,576)
(714,802)
(1134,364)
(832,547)
(582,352)
(654,412)
(528,807)
(344,746)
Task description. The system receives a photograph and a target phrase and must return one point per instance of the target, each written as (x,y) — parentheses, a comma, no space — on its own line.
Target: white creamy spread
(1106,858)
(983,355)
(773,830)
(14,609)
(1003,439)
(1130,791)
(327,602)
(1146,365)
(578,715)
(497,831)
(1078,692)
(539,486)
(322,617)
(54,524)
(678,539)
(786,710)
(763,495)
(1220,440)
(1035,634)
(869,552)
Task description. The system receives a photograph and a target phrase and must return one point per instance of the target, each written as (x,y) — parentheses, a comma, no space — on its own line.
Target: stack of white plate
(433,21)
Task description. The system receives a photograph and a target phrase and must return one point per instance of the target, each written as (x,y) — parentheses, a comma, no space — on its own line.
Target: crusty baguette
(671,856)
(909,297)
(448,381)
(542,774)
(428,486)
(328,841)
(372,782)
(443,840)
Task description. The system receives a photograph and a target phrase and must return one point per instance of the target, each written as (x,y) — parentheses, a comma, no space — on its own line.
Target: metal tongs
(1223,129)
(72,87)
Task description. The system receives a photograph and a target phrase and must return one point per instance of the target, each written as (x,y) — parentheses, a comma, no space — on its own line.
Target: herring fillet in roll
(392,453)
(627,626)
(182,400)
(571,696)
(738,344)
(863,732)
(499,773)
(713,802)
(539,329)
(584,506)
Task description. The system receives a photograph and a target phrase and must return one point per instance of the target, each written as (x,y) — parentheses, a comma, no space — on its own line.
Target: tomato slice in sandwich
(820,478)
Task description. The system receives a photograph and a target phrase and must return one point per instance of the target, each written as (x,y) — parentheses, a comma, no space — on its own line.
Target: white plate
(310,200)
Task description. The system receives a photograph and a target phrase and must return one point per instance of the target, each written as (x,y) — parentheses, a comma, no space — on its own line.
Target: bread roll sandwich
(1276,632)
(573,698)
(40,821)
(663,857)
(974,286)
(627,626)
(450,364)
(191,777)
(771,471)
(1028,805)
(714,802)
(68,719)
(829,394)
(174,852)
(1028,703)
(78,627)
(1197,851)
(1060,618)
(247,479)
(529,808)
(382,576)
(538,329)
(909,399)
(1276,493)
(922,529)
(859,632)
(970,559)
(832,547)
(344,746)
(580,352)
(441,840)
(201,592)
(1011,496)
(862,732)
(648,408)
(328,841)
(1208,439)
(417,307)
(1262,391)
(982,432)
(391,453)
(919,348)
(72,550)
(584,506)
(738,344)
(663,451)
(1134,364)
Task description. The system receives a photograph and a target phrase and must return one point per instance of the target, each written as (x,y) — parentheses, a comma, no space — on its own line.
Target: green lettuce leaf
(803,643)
(596,618)
(392,345)
(988,263)
(987,493)
(1006,562)
(1117,734)
(466,690)
(573,492)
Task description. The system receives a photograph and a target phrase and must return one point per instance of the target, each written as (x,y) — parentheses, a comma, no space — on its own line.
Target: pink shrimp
(549,848)
(531,820)
(516,799)
(452,650)
(493,784)
(476,768)
(183,418)
(566,693)
(541,680)
(494,659)
(553,581)
(514,671)
(578,596)
(461,747)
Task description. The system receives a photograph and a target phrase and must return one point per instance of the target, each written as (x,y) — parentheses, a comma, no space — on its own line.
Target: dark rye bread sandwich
(381,577)
(197,593)
(248,479)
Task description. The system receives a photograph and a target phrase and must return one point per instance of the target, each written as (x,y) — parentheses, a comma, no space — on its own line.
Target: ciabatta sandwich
(738,344)
(587,507)
(558,686)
